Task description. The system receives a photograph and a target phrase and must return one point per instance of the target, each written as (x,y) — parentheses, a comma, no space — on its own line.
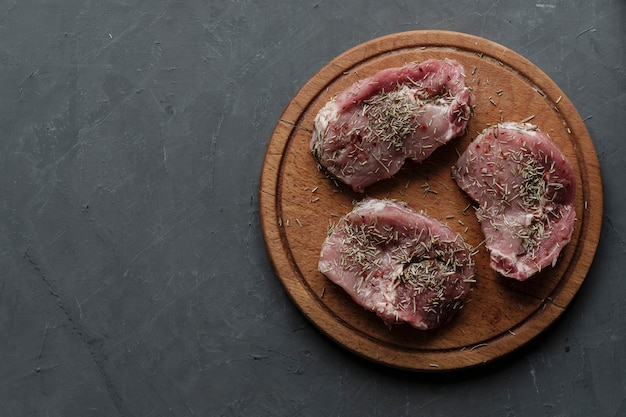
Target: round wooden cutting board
(297,204)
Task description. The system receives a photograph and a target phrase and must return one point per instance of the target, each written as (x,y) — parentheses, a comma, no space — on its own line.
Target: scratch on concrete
(111,388)
(37,367)
(533,374)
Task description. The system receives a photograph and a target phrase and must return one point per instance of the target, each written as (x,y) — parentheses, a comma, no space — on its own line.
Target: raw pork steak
(402,265)
(525,189)
(366,133)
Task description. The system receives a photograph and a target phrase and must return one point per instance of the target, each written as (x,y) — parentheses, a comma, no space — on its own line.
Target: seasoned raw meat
(366,133)
(525,188)
(402,265)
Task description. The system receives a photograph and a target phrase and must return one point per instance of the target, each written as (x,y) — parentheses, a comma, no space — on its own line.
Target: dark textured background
(133,275)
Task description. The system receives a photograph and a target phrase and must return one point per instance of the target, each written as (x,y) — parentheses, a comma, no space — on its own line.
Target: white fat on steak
(400,264)
(525,189)
(367,132)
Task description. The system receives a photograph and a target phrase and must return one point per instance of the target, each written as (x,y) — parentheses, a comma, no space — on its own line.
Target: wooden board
(297,202)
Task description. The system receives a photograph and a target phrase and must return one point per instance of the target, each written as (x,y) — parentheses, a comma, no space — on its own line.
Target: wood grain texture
(297,203)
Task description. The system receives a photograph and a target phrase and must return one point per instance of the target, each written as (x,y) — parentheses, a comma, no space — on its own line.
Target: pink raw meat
(366,133)
(398,263)
(525,189)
